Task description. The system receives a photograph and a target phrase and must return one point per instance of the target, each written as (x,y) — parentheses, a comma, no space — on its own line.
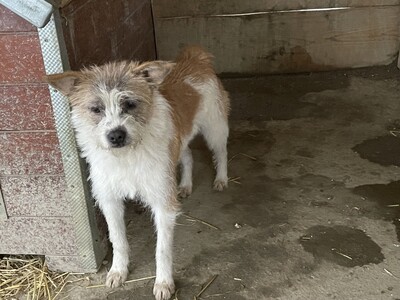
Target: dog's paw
(184,191)
(220,185)
(163,291)
(116,279)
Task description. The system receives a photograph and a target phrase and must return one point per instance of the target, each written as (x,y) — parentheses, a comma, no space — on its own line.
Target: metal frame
(37,12)
(90,248)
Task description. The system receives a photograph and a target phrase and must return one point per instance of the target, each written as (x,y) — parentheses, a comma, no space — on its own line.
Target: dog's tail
(195,54)
(194,62)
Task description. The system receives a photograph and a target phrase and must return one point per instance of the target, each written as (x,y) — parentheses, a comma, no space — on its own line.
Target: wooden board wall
(179,8)
(275,37)
(96,32)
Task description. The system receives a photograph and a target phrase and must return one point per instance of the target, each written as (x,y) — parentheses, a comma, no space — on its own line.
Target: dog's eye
(95,109)
(130,104)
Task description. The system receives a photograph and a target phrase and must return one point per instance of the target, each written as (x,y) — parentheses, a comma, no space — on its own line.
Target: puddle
(383,150)
(387,196)
(341,245)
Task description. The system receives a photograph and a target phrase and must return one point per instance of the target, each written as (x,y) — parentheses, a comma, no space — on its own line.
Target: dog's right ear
(154,72)
(64,82)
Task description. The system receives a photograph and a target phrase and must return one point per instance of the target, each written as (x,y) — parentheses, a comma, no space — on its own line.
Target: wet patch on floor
(254,143)
(383,150)
(394,126)
(341,245)
(387,196)
(275,99)
(304,152)
(317,190)
(259,203)
(248,265)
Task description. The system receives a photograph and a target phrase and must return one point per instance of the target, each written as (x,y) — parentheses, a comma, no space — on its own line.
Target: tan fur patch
(193,64)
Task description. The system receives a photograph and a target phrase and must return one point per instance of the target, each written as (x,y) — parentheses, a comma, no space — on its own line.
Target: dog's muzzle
(117,137)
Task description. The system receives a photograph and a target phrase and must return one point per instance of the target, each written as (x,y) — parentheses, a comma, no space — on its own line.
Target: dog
(133,123)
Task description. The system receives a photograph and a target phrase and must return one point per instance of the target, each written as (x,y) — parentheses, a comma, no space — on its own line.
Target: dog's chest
(129,175)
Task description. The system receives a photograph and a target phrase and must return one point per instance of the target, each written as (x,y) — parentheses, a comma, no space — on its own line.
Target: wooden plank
(174,8)
(288,42)
(102,37)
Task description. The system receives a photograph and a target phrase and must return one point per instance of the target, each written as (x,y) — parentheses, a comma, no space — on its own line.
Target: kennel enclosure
(45,204)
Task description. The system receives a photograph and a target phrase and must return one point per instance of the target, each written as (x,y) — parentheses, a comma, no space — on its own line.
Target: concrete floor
(316,206)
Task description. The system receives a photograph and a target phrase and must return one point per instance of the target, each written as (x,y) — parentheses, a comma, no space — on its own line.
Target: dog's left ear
(155,71)
(64,82)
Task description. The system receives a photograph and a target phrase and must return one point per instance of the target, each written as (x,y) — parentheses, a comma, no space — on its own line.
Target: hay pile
(27,277)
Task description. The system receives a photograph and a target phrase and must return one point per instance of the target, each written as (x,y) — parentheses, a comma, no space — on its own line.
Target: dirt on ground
(313,207)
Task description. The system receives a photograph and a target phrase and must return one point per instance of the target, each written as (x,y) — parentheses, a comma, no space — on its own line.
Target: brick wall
(31,171)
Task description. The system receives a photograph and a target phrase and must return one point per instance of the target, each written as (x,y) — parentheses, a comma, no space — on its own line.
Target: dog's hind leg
(114,213)
(164,218)
(185,186)
(216,135)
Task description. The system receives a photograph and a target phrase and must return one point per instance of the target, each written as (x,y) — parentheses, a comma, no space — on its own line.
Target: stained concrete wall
(256,37)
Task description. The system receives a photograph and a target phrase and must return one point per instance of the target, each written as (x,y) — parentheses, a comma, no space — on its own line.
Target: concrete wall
(281,36)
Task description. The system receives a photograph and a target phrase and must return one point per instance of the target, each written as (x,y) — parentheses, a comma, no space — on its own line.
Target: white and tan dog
(133,123)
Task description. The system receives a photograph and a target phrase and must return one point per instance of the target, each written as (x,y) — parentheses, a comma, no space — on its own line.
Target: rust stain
(292,60)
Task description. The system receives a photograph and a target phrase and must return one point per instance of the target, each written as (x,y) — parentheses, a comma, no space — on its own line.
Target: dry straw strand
(206,285)
(191,218)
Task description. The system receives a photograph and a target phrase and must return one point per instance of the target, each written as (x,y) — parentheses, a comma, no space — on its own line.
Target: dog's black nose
(117,137)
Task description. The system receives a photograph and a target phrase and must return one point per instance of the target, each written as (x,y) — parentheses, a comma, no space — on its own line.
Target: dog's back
(194,92)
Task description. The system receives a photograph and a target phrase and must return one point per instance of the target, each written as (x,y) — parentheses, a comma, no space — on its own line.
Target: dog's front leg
(114,214)
(164,218)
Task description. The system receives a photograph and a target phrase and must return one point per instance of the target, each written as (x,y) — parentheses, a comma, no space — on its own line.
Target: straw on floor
(29,276)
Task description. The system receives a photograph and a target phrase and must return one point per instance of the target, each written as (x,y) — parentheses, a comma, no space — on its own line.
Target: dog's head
(112,103)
